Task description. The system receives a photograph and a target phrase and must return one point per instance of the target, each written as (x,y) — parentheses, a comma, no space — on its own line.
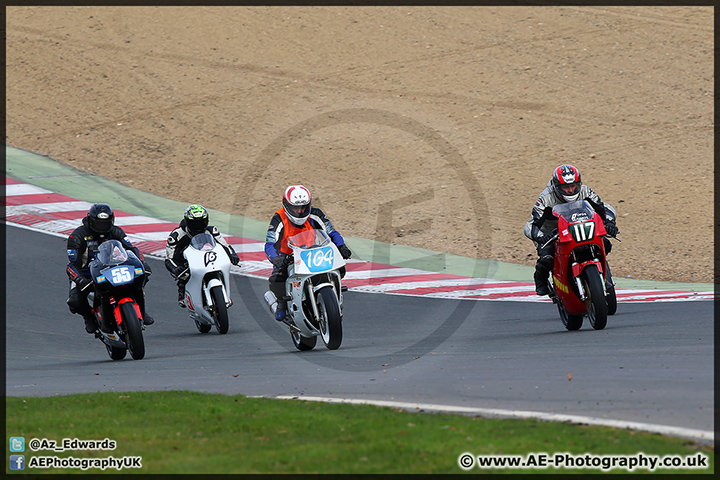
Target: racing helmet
(196,219)
(100,218)
(296,202)
(566,183)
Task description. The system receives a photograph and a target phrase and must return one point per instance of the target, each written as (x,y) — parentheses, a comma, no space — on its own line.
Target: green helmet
(196,219)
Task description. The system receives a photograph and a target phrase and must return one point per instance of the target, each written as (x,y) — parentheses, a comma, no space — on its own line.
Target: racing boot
(90,323)
(181,297)
(147,319)
(541,284)
(542,270)
(280,314)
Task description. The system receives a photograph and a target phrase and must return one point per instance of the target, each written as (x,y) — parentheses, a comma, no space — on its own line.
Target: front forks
(581,288)
(311,297)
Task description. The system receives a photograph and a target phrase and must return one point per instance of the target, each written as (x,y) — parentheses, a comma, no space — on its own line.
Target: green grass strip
(180,432)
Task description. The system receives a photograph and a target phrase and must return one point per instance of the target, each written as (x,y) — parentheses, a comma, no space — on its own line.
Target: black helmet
(566,183)
(100,218)
(196,219)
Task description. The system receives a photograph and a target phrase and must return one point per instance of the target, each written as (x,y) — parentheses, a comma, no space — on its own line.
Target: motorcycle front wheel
(221,315)
(330,326)
(595,297)
(135,341)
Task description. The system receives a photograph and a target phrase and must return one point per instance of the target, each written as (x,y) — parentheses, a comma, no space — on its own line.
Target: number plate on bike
(318,259)
(583,231)
(119,275)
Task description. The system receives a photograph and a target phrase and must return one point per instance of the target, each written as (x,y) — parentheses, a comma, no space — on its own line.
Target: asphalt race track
(652,364)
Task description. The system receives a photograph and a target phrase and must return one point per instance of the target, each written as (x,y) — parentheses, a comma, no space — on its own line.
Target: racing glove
(282,260)
(542,238)
(183,275)
(234,258)
(147,268)
(611,229)
(179,269)
(83,283)
(345,251)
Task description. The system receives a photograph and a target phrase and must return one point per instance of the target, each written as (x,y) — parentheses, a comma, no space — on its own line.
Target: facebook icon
(17,462)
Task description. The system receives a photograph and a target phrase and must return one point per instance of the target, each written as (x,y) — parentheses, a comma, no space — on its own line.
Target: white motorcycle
(206,291)
(314,291)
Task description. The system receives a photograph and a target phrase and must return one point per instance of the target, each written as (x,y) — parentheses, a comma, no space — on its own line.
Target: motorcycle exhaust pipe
(271,301)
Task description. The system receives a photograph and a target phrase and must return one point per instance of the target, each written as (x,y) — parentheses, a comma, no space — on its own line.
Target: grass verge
(183,432)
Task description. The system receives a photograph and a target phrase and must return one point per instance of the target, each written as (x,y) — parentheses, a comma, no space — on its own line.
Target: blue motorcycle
(118,278)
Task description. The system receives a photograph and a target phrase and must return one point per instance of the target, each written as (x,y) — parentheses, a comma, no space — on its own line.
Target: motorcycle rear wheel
(595,305)
(611,297)
(135,341)
(202,327)
(330,325)
(221,314)
(303,343)
(570,322)
(116,353)
(611,301)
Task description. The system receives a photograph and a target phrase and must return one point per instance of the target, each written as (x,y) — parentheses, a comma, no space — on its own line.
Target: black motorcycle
(118,277)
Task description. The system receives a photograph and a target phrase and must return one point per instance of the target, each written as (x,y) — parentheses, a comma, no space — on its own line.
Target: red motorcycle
(581,280)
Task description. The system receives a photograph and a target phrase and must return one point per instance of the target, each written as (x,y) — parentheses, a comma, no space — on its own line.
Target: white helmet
(296,203)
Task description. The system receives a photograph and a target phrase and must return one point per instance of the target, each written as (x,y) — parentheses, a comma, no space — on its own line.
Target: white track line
(704,436)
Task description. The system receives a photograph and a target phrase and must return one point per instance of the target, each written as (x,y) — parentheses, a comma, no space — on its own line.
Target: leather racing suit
(279,230)
(543,222)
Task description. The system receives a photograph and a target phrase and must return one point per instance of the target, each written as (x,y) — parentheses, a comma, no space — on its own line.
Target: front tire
(135,341)
(221,315)
(595,305)
(330,325)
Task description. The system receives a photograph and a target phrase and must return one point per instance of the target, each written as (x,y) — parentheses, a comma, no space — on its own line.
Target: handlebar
(554,237)
(184,274)
(557,235)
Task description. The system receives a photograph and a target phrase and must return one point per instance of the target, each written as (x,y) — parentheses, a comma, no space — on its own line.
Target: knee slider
(73,303)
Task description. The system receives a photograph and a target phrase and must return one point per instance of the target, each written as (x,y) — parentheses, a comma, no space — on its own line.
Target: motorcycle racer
(564,186)
(296,215)
(82,248)
(195,220)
